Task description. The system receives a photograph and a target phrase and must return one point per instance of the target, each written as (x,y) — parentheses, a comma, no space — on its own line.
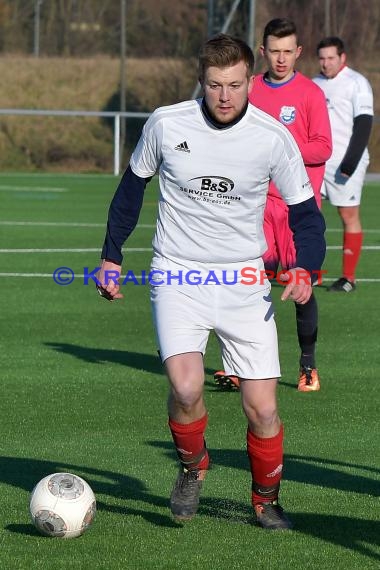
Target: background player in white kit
(350,106)
(215,157)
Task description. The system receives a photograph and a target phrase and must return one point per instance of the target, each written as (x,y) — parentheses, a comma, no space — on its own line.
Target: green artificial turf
(82,390)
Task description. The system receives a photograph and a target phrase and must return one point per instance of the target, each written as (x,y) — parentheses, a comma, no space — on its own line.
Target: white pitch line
(366,247)
(5,188)
(26,275)
(336,230)
(65,224)
(71,250)
(77,276)
(54,224)
(103,225)
(139,277)
(30,175)
(133,249)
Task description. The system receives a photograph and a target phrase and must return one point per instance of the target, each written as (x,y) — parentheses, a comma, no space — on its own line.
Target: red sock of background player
(190,443)
(352,247)
(266,459)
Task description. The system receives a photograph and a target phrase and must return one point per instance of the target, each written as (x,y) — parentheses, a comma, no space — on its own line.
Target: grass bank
(77,144)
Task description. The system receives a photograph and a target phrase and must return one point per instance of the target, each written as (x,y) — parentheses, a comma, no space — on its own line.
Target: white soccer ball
(62,505)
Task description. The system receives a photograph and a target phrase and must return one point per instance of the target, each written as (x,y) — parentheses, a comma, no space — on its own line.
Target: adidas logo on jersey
(182,146)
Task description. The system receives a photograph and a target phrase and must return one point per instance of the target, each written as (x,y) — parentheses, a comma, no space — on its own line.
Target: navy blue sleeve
(361,131)
(308,227)
(123,214)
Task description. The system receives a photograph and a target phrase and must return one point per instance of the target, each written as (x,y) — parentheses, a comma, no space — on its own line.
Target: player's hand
(298,285)
(340,177)
(108,278)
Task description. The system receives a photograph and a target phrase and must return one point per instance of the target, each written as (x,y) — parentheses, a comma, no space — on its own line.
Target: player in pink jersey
(292,99)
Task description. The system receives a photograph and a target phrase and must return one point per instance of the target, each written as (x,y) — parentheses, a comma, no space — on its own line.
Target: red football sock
(352,247)
(266,458)
(190,443)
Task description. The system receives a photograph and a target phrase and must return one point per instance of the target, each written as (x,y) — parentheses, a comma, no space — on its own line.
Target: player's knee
(349,215)
(262,417)
(186,395)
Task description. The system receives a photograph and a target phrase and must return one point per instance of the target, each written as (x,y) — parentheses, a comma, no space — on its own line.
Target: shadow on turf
(359,535)
(25,473)
(351,533)
(139,361)
(300,469)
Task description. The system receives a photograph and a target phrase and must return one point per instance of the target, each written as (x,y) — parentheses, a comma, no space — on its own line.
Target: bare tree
(163,28)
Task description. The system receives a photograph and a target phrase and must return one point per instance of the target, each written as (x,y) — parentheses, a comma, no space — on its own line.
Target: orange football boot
(225,381)
(308,380)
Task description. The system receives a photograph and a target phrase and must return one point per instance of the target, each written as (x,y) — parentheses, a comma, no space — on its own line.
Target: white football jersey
(214,182)
(348,95)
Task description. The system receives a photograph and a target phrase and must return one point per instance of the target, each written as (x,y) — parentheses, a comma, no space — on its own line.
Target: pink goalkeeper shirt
(300,105)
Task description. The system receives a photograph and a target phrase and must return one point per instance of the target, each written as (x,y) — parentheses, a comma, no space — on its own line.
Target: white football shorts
(241,315)
(342,191)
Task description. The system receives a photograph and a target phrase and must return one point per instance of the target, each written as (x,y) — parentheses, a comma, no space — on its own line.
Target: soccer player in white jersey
(350,105)
(214,158)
